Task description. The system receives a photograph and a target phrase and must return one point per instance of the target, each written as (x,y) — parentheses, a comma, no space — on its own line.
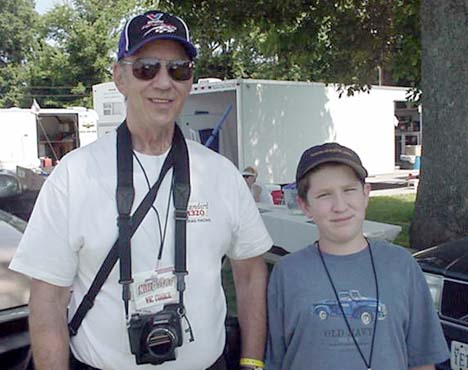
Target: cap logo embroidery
(156,25)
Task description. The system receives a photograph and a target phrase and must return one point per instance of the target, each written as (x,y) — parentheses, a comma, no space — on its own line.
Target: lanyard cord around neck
(367,363)
(162,232)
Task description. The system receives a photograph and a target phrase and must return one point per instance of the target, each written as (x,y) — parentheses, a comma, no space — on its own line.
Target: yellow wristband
(251,362)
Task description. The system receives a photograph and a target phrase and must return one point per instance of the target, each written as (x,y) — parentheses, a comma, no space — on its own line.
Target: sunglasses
(147,68)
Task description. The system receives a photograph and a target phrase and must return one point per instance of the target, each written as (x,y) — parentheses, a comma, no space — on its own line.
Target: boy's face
(337,202)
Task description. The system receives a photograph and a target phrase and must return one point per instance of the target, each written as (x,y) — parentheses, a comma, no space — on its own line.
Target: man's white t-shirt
(74,224)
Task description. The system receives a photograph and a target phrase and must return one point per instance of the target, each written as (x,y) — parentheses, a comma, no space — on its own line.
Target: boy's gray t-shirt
(306,327)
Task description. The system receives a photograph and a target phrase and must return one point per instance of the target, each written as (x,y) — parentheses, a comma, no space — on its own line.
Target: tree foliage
(345,41)
(18,21)
(76,50)
(62,53)
(17,24)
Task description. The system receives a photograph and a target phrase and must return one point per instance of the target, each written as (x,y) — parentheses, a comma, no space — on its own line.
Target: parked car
(446,270)
(14,295)
(19,191)
(354,306)
(9,184)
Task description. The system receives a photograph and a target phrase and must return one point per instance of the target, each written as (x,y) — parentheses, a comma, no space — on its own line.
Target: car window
(355,294)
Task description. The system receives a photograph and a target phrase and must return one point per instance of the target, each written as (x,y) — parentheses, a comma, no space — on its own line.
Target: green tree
(18,22)
(346,41)
(76,51)
(330,41)
(441,211)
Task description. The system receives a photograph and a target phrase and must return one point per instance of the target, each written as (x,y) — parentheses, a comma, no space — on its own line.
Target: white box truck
(26,136)
(272,122)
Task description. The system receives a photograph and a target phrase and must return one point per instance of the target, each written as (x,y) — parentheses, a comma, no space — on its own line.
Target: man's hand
(48,325)
(250,278)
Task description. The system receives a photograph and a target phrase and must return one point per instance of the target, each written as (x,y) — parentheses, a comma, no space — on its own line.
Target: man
(346,302)
(74,225)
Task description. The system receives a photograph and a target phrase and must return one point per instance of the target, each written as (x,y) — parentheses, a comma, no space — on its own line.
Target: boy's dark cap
(150,26)
(326,153)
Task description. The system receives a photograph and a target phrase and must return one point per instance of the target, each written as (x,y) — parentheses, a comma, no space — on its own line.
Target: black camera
(155,337)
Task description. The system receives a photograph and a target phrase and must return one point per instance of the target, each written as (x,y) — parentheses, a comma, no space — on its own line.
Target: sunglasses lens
(180,70)
(146,70)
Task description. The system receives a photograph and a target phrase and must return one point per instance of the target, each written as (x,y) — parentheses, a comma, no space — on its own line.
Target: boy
(346,302)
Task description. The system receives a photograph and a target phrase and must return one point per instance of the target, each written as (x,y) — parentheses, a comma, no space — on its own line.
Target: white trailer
(26,136)
(18,139)
(272,122)
(109,104)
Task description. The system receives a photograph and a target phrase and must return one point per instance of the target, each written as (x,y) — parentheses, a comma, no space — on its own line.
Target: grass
(396,210)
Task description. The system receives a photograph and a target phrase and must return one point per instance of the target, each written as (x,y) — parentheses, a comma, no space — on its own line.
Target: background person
(74,225)
(346,302)
(259,191)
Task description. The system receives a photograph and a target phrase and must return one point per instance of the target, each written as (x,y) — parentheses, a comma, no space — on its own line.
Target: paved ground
(393,183)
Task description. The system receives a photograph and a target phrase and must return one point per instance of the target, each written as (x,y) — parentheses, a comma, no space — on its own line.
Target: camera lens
(160,342)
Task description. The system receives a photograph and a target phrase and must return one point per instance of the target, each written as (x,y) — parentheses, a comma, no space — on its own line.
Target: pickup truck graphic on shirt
(354,306)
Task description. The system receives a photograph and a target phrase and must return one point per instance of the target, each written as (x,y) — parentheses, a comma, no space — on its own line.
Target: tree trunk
(441,212)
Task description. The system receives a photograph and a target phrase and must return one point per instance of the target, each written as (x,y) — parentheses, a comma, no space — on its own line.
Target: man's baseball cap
(150,26)
(326,153)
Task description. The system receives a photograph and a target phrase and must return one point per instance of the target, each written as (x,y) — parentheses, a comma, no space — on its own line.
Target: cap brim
(189,48)
(360,170)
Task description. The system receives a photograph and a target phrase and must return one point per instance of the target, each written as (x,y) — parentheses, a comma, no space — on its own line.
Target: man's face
(155,103)
(337,202)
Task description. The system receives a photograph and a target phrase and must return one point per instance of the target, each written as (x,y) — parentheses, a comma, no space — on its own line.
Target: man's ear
(119,78)
(304,206)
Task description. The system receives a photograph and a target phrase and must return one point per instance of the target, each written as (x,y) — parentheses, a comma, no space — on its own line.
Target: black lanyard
(367,363)
(177,158)
(162,232)
(125,194)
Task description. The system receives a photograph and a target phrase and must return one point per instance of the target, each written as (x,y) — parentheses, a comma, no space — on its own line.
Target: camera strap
(179,159)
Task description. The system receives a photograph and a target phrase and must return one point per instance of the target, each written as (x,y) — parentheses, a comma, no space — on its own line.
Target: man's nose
(162,80)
